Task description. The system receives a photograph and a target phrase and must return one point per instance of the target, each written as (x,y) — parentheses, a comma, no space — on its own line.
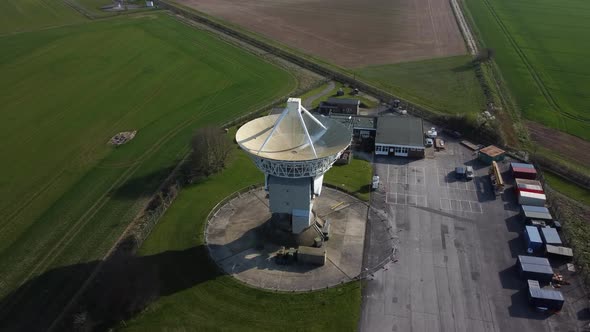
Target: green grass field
(66,195)
(542,50)
(567,188)
(444,85)
(218,302)
(354,178)
(25,15)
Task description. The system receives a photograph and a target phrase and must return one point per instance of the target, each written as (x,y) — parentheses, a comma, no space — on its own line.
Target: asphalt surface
(455,246)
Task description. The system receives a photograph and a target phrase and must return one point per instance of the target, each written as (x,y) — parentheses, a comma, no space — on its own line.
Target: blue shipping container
(533,239)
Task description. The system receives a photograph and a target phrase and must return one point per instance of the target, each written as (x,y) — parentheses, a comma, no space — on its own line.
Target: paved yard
(456,247)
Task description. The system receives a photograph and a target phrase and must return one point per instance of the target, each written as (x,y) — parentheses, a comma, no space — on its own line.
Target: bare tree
(210,149)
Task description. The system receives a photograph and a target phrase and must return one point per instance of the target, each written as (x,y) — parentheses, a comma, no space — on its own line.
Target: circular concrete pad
(238,246)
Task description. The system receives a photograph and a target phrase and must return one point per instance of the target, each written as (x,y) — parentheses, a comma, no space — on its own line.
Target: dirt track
(349,33)
(568,146)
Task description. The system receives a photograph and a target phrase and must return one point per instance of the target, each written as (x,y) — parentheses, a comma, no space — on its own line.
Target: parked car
(375,184)
(469,175)
(460,172)
(428,143)
(464,172)
(431,133)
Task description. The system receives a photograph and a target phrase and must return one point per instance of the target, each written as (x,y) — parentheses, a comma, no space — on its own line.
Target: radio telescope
(294,149)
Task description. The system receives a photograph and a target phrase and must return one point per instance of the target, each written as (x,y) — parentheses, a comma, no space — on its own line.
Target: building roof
(536,212)
(344,101)
(530,194)
(557,250)
(550,235)
(362,122)
(492,151)
(521,165)
(520,182)
(546,294)
(535,264)
(398,130)
(524,170)
(358,122)
(533,234)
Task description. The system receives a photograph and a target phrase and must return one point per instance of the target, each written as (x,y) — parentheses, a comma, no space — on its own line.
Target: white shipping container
(529,198)
(527,181)
(530,187)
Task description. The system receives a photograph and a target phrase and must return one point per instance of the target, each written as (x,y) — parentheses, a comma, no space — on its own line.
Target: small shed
(550,236)
(523,171)
(535,268)
(535,212)
(533,239)
(491,153)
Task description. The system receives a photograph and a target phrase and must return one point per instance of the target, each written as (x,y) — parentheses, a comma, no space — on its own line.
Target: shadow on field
(142,185)
(465,67)
(125,286)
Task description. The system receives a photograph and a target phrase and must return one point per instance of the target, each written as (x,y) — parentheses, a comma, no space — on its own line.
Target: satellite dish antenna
(294,149)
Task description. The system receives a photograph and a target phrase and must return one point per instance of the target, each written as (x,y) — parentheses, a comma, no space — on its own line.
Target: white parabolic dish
(294,135)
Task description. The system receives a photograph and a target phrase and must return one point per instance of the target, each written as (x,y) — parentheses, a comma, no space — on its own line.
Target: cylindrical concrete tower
(294,150)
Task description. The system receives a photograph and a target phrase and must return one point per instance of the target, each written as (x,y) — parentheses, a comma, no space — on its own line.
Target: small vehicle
(431,133)
(375,184)
(439,144)
(460,172)
(428,143)
(469,175)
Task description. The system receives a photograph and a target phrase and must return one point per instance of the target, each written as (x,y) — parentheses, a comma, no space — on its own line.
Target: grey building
(362,126)
(400,136)
(340,106)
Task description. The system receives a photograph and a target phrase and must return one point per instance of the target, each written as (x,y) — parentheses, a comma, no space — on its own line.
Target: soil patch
(568,146)
(349,33)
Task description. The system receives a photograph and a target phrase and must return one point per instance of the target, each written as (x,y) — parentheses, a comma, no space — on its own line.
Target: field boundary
(291,56)
(465,31)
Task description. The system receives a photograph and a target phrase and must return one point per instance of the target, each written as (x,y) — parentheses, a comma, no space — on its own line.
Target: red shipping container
(524,173)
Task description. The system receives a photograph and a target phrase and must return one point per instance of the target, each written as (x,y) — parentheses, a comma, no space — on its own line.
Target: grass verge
(219,302)
(574,217)
(567,188)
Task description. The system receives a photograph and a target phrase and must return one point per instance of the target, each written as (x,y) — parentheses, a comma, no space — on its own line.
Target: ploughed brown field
(350,33)
(571,147)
